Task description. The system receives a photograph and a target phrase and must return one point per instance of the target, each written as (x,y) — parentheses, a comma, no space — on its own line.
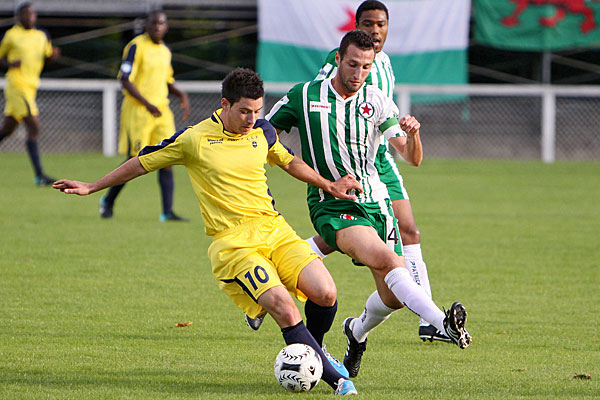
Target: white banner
(415,26)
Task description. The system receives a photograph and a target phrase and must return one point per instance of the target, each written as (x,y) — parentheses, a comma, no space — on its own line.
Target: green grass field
(88,307)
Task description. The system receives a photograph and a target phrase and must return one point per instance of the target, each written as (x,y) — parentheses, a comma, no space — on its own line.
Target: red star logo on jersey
(366,109)
(350,23)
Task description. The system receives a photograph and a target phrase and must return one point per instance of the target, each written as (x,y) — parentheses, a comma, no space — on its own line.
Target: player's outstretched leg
(255,323)
(354,350)
(299,334)
(335,363)
(431,333)
(345,388)
(454,323)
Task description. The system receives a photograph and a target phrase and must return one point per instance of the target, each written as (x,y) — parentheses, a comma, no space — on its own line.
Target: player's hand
(409,125)
(185,106)
(152,109)
(72,187)
(341,187)
(55,54)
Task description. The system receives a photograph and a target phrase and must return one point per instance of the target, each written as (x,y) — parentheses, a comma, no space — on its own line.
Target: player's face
(157,27)
(375,23)
(353,68)
(241,116)
(28,17)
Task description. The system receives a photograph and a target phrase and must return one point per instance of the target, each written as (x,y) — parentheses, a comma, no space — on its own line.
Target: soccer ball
(298,367)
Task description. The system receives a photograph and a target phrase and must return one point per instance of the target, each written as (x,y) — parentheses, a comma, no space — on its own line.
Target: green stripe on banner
(443,67)
(285,63)
(440,67)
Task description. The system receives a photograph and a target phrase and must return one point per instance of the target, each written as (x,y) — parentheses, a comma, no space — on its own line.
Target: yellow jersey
(148,66)
(226,169)
(32,47)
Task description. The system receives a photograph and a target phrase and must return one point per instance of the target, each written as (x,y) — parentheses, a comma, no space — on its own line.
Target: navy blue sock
(299,334)
(167,184)
(34,156)
(319,319)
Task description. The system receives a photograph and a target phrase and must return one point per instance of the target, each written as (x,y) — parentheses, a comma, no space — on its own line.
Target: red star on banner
(351,23)
(366,109)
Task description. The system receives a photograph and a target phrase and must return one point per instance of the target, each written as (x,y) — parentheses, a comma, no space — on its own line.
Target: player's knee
(288,315)
(386,261)
(326,297)
(410,234)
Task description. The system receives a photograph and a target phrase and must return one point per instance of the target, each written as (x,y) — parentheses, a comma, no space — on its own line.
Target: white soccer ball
(298,367)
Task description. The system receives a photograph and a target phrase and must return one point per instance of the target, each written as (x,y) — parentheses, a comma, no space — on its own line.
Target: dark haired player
(256,257)
(341,121)
(23,50)
(372,17)
(146,76)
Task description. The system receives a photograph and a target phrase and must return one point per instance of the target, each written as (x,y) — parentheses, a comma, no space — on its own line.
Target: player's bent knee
(410,235)
(326,298)
(386,262)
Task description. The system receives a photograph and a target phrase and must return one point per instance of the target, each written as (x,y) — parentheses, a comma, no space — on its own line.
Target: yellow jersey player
(146,75)
(256,257)
(23,50)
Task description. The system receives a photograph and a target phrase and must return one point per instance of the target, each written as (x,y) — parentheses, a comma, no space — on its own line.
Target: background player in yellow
(256,257)
(146,75)
(23,50)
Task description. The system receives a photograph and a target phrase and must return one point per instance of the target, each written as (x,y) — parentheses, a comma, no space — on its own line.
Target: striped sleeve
(329,67)
(388,123)
(127,63)
(168,152)
(284,115)
(278,153)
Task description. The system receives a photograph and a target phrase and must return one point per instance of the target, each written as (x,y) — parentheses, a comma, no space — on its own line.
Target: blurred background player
(23,50)
(146,76)
(372,17)
(256,257)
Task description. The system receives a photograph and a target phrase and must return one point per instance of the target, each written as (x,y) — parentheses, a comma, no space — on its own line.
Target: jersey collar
(338,96)
(216,118)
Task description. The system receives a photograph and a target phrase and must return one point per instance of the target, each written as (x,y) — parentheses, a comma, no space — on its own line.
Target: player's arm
(4,63)
(127,171)
(135,93)
(5,46)
(54,55)
(302,171)
(183,100)
(409,147)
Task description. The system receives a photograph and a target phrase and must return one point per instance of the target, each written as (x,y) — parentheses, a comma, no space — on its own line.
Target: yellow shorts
(140,129)
(255,256)
(20,102)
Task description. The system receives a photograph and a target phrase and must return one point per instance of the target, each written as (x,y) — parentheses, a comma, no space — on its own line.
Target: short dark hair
(357,37)
(242,82)
(154,12)
(371,5)
(23,6)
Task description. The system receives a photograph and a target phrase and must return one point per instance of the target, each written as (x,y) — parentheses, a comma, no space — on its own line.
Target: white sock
(314,247)
(417,268)
(414,297)
(374,314)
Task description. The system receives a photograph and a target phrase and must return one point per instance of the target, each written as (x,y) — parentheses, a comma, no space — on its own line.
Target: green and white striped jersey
(339,136)
(381,76)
